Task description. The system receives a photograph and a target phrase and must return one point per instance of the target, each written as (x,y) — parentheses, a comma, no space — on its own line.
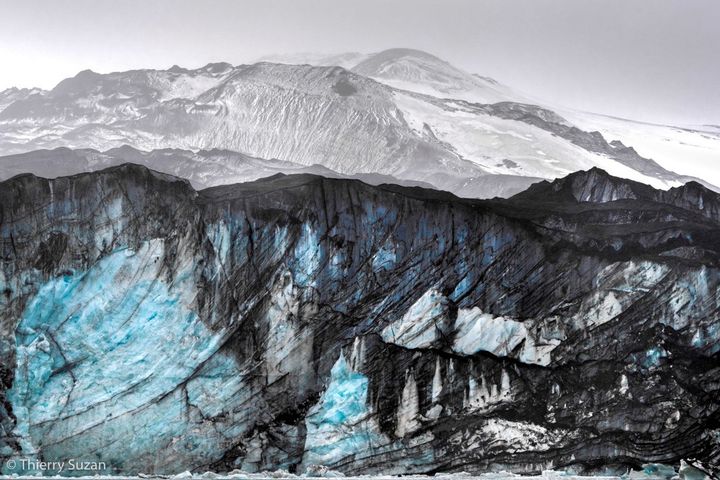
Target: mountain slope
(525,140)
(308,115)
(342,120)
(597,186)
(12,95)
(298,320)
(692,150)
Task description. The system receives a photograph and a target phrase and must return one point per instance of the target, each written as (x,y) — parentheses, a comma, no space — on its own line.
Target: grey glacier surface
(297,321)
(401,113)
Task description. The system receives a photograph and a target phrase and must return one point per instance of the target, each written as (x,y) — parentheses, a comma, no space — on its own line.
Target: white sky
(653,60)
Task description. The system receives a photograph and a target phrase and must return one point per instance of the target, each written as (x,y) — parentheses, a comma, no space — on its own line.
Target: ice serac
(297,321)
(422,325)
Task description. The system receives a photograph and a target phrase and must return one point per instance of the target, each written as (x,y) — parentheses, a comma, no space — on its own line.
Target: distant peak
(124,149)
(379,60)
(213,67)
(695,185)
(593,170)
(598,186)
(394,53)
(86,73)
(594,186)
(79,84)
(131,170)
(217,67)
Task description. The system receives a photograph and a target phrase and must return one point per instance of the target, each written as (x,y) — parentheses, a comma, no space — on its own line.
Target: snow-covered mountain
(304,114)
(14,94)
(418,71)
(400,113)
(689,149)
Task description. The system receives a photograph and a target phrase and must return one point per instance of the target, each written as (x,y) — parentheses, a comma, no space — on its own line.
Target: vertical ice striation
(437,385)
(476,398)
(307,259)
(437,389)
(624,385)
(288,348)
(357,358)
(505,392)
(480,397)
(220,237)
(409,408)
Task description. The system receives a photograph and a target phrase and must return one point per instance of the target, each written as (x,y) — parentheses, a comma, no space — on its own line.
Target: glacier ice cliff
(300,320)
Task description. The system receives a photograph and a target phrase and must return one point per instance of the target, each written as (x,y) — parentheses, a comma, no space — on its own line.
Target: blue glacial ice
(308,256)
(341,424)
(118,353)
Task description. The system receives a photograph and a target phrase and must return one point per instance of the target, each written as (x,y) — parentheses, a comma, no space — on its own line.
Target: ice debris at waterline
(649,472)
(300,320)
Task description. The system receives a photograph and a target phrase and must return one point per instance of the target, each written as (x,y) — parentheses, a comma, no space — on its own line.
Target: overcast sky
(654,60)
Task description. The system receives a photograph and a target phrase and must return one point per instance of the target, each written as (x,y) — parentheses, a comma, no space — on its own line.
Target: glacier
(315,324)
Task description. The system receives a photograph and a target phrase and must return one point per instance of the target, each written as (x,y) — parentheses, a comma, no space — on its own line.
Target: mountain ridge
(597,186)
(330,116)
(203,168)
(594,186)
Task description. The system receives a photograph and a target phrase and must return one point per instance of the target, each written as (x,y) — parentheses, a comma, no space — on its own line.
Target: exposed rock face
(596,186)
(299,320)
